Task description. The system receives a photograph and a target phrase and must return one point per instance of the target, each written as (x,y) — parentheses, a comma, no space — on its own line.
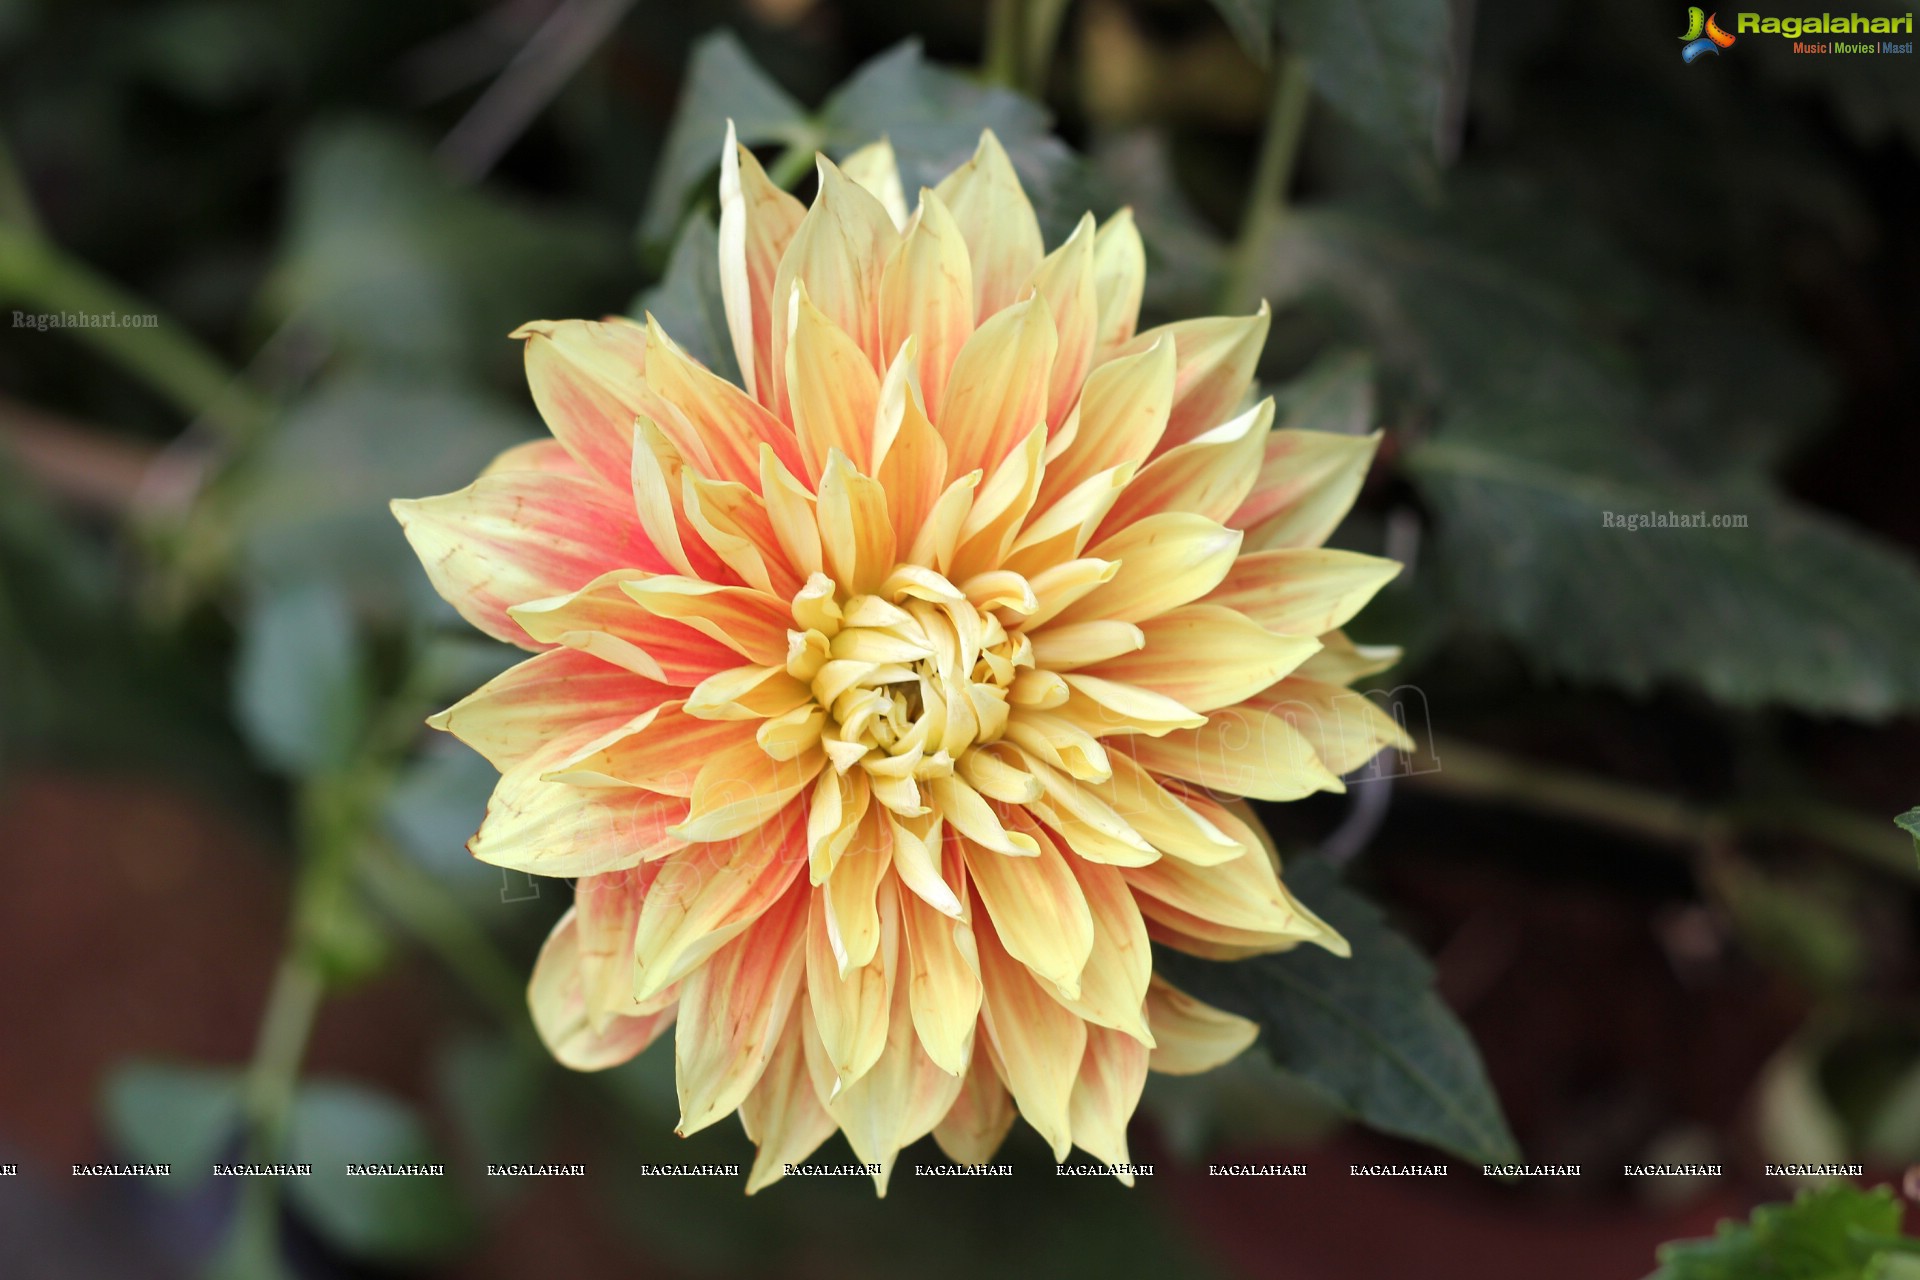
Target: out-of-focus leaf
(1251,22)
(434,808)
(316,508)
(1369,1030)
(1184,254)
(393,261)
(722,83)
(1382,63)
(299,690)
(1795,609)
(169,1113)
(1892,1129)
(1835,1233)
(687,302)
(493,1092)
(1335,394)
(400,1219)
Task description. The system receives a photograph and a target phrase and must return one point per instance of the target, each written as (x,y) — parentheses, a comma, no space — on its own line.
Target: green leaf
(389,1218)
(722,82)
(492,1089)
(687,302)
(397,265)
(299,690)
(1834,1233)
(1795,609)
(1335,394)
(169,1113)
(315,509)
(1383,64)
(1251,22)
(1909,822)
(1369,1030)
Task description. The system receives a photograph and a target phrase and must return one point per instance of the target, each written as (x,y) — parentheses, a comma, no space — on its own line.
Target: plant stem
(796,161)
(1044,19)
(1006,27)
(1475,773)
(15,207)
(285,1028)
(1267,200)
(34,272)
(423,910)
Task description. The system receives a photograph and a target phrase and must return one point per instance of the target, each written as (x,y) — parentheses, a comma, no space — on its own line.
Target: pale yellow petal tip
(403,509)
(535,329)
(440,719)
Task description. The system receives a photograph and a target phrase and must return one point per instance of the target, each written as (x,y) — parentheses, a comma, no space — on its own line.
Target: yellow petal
(783,1115)
(1346,728)
(997,222)
(1205,656)
(1112,1076)
(997,392)
(1161,818)
(732,519)
(1303,591)
(1340,661)
(1240,752)
(832,387)
(603,620)
(1165,561)
(913,457)
(999,508)
(550,829)
(1038,1043)
(1082,644)
(1123,414)
(851,1013)
(742,787)
(974,818)
(944,974)
(1191,1037)
(660,751)
(736,1005)
(926,295)
(1107,707)
(1063,528)
(1113,985)
(878,173)
(1119,279)
(1064,281)
(838,252)
(751,623)
(1037,909)
(757,222)
(850,893)
(856,536)
(791,512)
(589,382)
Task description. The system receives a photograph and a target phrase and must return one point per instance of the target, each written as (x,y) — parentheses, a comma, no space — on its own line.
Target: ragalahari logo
(1703,35)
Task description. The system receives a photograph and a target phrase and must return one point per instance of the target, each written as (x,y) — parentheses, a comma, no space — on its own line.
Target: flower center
(909,678)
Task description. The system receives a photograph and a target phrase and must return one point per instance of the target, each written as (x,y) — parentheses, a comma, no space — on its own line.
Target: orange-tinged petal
(913,457)
(662,753)
(740,788)
(998,390)
(1206,656)
(1161,818)
(926,295)
(560,1012)
(1346,728)
(588,380)
(999,508)
(1208,476)
(1112,1076)
(856,537)
(877,171)
(1113,985)
(850,893)
(540,455)
(943,971)
(520,535)
(838,252)
(751,623)
(659,487)
(1306,485)
(715,422)
(1303,591)
(603,620)
(606,907)
(1191,1037)
(1244,894)
(708,894)
(736,1006)
(733,520)
(1038,1043)
(1340,661)
(757,222)
(550,705)
(998,224)
(1214,362)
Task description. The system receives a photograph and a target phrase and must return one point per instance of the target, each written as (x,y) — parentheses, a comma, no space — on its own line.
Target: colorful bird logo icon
(1712,41)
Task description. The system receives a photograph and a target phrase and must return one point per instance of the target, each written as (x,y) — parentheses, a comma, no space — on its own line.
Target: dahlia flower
(885,707)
